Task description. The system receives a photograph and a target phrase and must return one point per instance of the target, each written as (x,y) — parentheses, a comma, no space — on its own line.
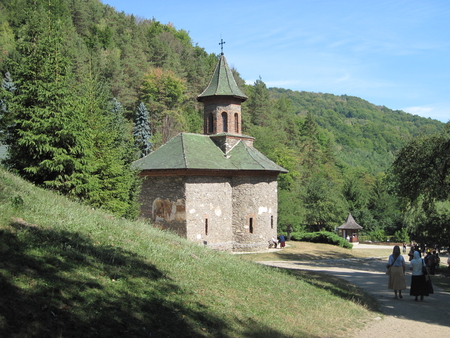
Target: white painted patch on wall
(218,212)
(261,210)
(199,236)
(192,211)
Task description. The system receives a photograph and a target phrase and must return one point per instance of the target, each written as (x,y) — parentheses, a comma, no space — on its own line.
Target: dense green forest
(87,90)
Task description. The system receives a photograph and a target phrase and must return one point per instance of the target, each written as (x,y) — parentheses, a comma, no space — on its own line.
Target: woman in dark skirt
(418,282)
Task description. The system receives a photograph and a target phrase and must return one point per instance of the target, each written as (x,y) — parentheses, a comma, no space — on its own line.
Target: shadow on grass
(338,287)
(313,257)
(63,284)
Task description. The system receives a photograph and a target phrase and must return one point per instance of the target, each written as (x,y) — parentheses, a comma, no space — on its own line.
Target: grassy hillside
(69,271)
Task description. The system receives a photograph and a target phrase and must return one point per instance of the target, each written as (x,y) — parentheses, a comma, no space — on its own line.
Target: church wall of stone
(209,211)
(163,202)
(255,211)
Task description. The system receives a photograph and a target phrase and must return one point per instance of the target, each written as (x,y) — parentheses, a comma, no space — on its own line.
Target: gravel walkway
(404,318)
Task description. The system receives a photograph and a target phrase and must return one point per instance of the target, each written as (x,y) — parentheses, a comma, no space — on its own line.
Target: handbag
(424,268)
(388,271)
(429,285)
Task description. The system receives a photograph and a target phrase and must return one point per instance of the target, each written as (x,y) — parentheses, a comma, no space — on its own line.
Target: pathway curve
(404,318)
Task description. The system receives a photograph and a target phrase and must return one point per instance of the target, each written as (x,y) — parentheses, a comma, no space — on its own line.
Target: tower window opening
(236,123)
(206,226)
(250,225)
(271,222)
(224,122)
(210,123)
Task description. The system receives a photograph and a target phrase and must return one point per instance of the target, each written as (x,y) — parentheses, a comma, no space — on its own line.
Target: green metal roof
(222,83)
(196,151)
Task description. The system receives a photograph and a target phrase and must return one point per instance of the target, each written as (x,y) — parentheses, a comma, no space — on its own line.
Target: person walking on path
(282,241)
(418,282)
(411,252)
(397,266)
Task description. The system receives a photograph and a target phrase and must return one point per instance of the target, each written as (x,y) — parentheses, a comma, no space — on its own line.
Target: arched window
(236,122)
(210,123)
(224,122)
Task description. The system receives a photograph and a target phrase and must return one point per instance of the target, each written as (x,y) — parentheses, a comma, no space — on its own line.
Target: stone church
(213,188)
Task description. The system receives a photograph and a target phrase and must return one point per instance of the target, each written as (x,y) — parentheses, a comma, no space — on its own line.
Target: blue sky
(391,53)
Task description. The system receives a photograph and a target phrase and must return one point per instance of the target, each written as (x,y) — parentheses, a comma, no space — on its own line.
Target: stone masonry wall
(255,211)
(209,211)
(224,213)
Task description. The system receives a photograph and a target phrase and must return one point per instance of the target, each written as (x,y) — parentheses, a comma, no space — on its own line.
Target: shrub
(401,236)
(325,237)
(378,235)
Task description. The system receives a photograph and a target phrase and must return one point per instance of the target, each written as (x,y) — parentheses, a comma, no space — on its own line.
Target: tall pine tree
(141,131)
(63,136)
(6,92)
(112,183)
(42,148)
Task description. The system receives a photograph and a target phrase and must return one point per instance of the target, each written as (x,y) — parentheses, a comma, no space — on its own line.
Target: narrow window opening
(250,224)
(271,222)
(206,226)
(236,123)
(210,123)
(224,122)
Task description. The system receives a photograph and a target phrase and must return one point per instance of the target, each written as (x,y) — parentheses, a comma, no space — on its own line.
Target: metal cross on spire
(221,46)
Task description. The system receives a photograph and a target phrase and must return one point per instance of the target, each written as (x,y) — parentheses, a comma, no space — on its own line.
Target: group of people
(397,266)
(431,259)
(273,243)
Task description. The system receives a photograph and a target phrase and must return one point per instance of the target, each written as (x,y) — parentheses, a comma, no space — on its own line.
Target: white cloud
(437,112)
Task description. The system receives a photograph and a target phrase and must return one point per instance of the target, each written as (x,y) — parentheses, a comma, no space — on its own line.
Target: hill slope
(69,271)
(367,135)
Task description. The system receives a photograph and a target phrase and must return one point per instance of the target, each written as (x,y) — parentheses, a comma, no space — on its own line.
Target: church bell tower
(222,101)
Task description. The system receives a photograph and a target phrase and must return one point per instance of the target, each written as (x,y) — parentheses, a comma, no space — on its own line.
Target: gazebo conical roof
(350,224)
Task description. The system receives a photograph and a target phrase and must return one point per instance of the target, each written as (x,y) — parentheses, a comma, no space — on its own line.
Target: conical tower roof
(222,83)
(350,224)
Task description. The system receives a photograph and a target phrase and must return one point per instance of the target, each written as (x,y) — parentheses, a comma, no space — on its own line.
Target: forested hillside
(87,90)
(367,135)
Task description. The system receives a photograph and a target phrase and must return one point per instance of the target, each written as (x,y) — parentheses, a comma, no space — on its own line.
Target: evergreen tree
(123,136)
(109,181)
(310,149)
(141,131)
(63,136)
(7,91)
(42,147)
(258,105)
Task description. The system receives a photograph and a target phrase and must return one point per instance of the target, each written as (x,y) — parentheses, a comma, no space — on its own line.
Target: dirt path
(404,318)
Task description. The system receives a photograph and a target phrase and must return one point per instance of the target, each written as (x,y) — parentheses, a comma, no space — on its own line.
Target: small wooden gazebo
(349,230)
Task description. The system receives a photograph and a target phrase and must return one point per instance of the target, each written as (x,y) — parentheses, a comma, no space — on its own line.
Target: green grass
(69,271)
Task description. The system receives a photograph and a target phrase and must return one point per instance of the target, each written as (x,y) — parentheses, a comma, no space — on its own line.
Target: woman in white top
(397,265)
(418,282)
